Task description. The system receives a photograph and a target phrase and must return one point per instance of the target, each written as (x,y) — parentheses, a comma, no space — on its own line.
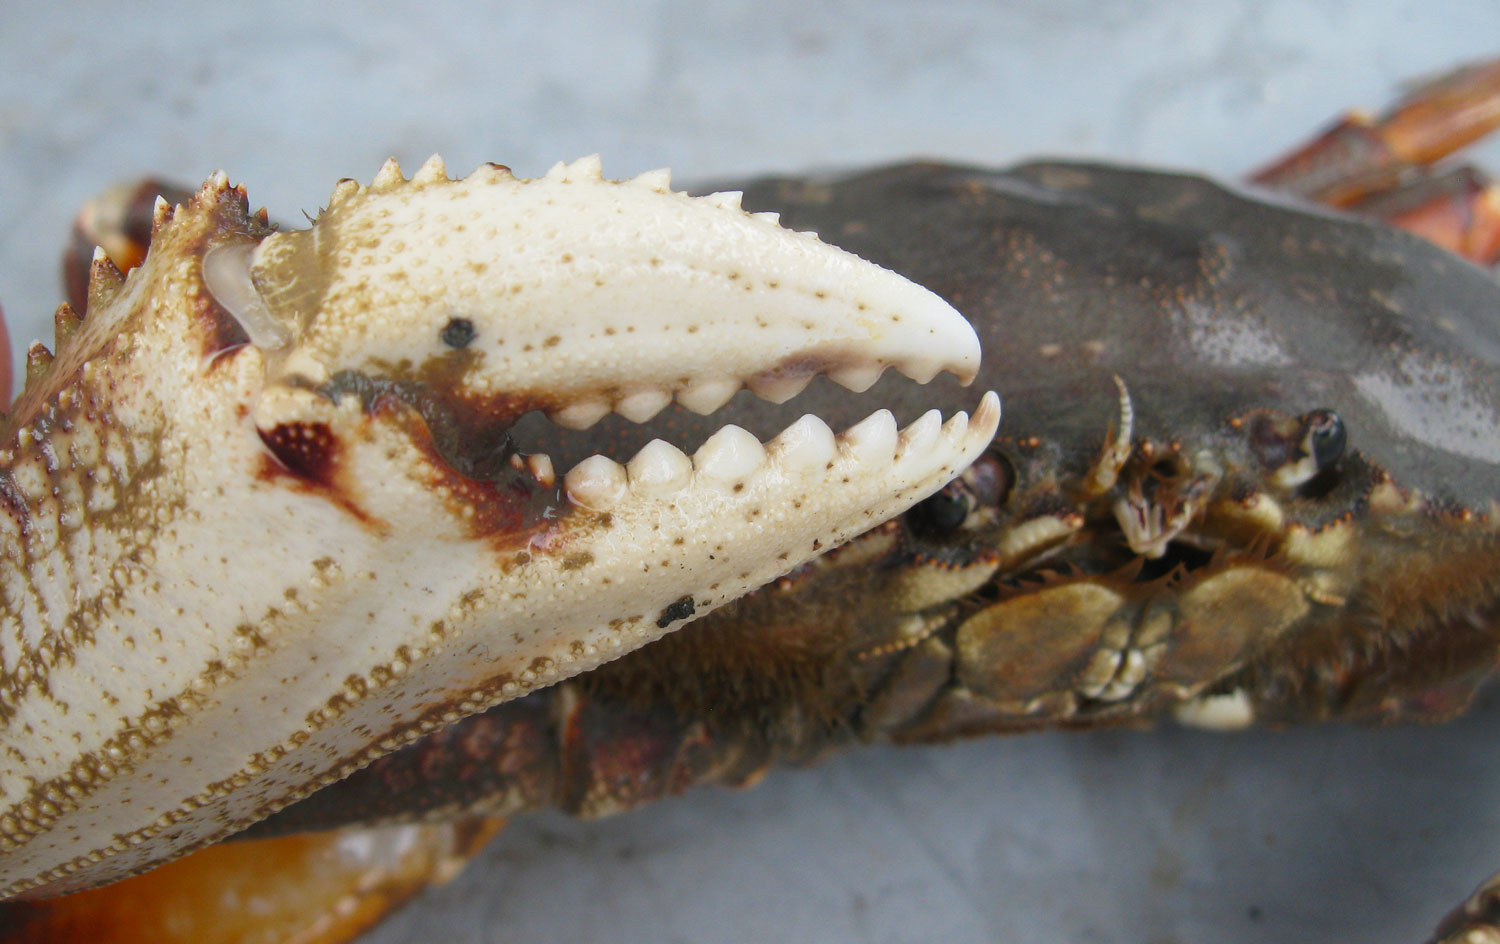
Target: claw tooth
(922,371)
(659,180)
(388,176)
(658,469)
(768,216)
(957,426)
(724,199)
(588,167)
(432,171)
(921,436)
(595,483)
(104,281)
(66,321)
(161,214)
(857,378)
(343,190)
(540,465)
(491,173)
(778,387)
(729,455)
(872,439)
(38,359)
(806,444)
(986,416)
(580,414)
(976,431)
(641,406)
(706,396)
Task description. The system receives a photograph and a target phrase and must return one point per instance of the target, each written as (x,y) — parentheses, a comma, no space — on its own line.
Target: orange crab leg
(1458,209)
(1360,156)
(313,888)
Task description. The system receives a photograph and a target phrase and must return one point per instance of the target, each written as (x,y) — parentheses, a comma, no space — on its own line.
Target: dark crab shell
(1208,301)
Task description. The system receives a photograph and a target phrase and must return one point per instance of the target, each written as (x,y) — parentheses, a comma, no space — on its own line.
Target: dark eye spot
(990,479)
(945,510)
(681,609)
(1326,437)
(457,333)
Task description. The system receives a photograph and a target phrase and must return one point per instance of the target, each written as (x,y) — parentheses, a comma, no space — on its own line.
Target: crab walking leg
(1359,156)
(264,522)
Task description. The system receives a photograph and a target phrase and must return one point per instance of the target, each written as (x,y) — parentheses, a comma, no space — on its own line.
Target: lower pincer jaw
(738,513)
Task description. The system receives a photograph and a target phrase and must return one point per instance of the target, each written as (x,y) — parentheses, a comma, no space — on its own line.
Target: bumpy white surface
(1329,834)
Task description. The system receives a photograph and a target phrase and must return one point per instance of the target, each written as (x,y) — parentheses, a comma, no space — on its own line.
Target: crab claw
(317,539)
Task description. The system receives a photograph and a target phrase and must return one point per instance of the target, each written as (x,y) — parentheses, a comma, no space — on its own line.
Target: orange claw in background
(119,220)
(1458,209)
(1360,156)
(311,888)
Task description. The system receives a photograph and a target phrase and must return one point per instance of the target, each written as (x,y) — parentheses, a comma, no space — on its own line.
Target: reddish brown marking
(307,450)
(508,509)
(307,455)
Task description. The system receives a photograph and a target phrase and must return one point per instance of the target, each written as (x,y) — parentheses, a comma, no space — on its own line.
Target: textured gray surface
(1338,834)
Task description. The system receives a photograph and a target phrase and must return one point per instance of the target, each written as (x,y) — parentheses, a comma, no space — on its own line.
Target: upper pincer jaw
(574,295)
(579,296)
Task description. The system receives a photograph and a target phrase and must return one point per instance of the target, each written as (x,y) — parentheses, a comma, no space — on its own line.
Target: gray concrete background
(1319,835)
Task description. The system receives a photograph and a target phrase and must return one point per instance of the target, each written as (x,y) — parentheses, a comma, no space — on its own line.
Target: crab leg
(1359,156)
(1383,168)
(265,518)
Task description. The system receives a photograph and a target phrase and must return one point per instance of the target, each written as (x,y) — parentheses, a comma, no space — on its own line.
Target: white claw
(658,469)
(579,415)
(641,406)
(921,436)
(706,396)
(806,444)
(872,439)
(595,483)
(768,217)
(859,378)
(730,455)
(778,388)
